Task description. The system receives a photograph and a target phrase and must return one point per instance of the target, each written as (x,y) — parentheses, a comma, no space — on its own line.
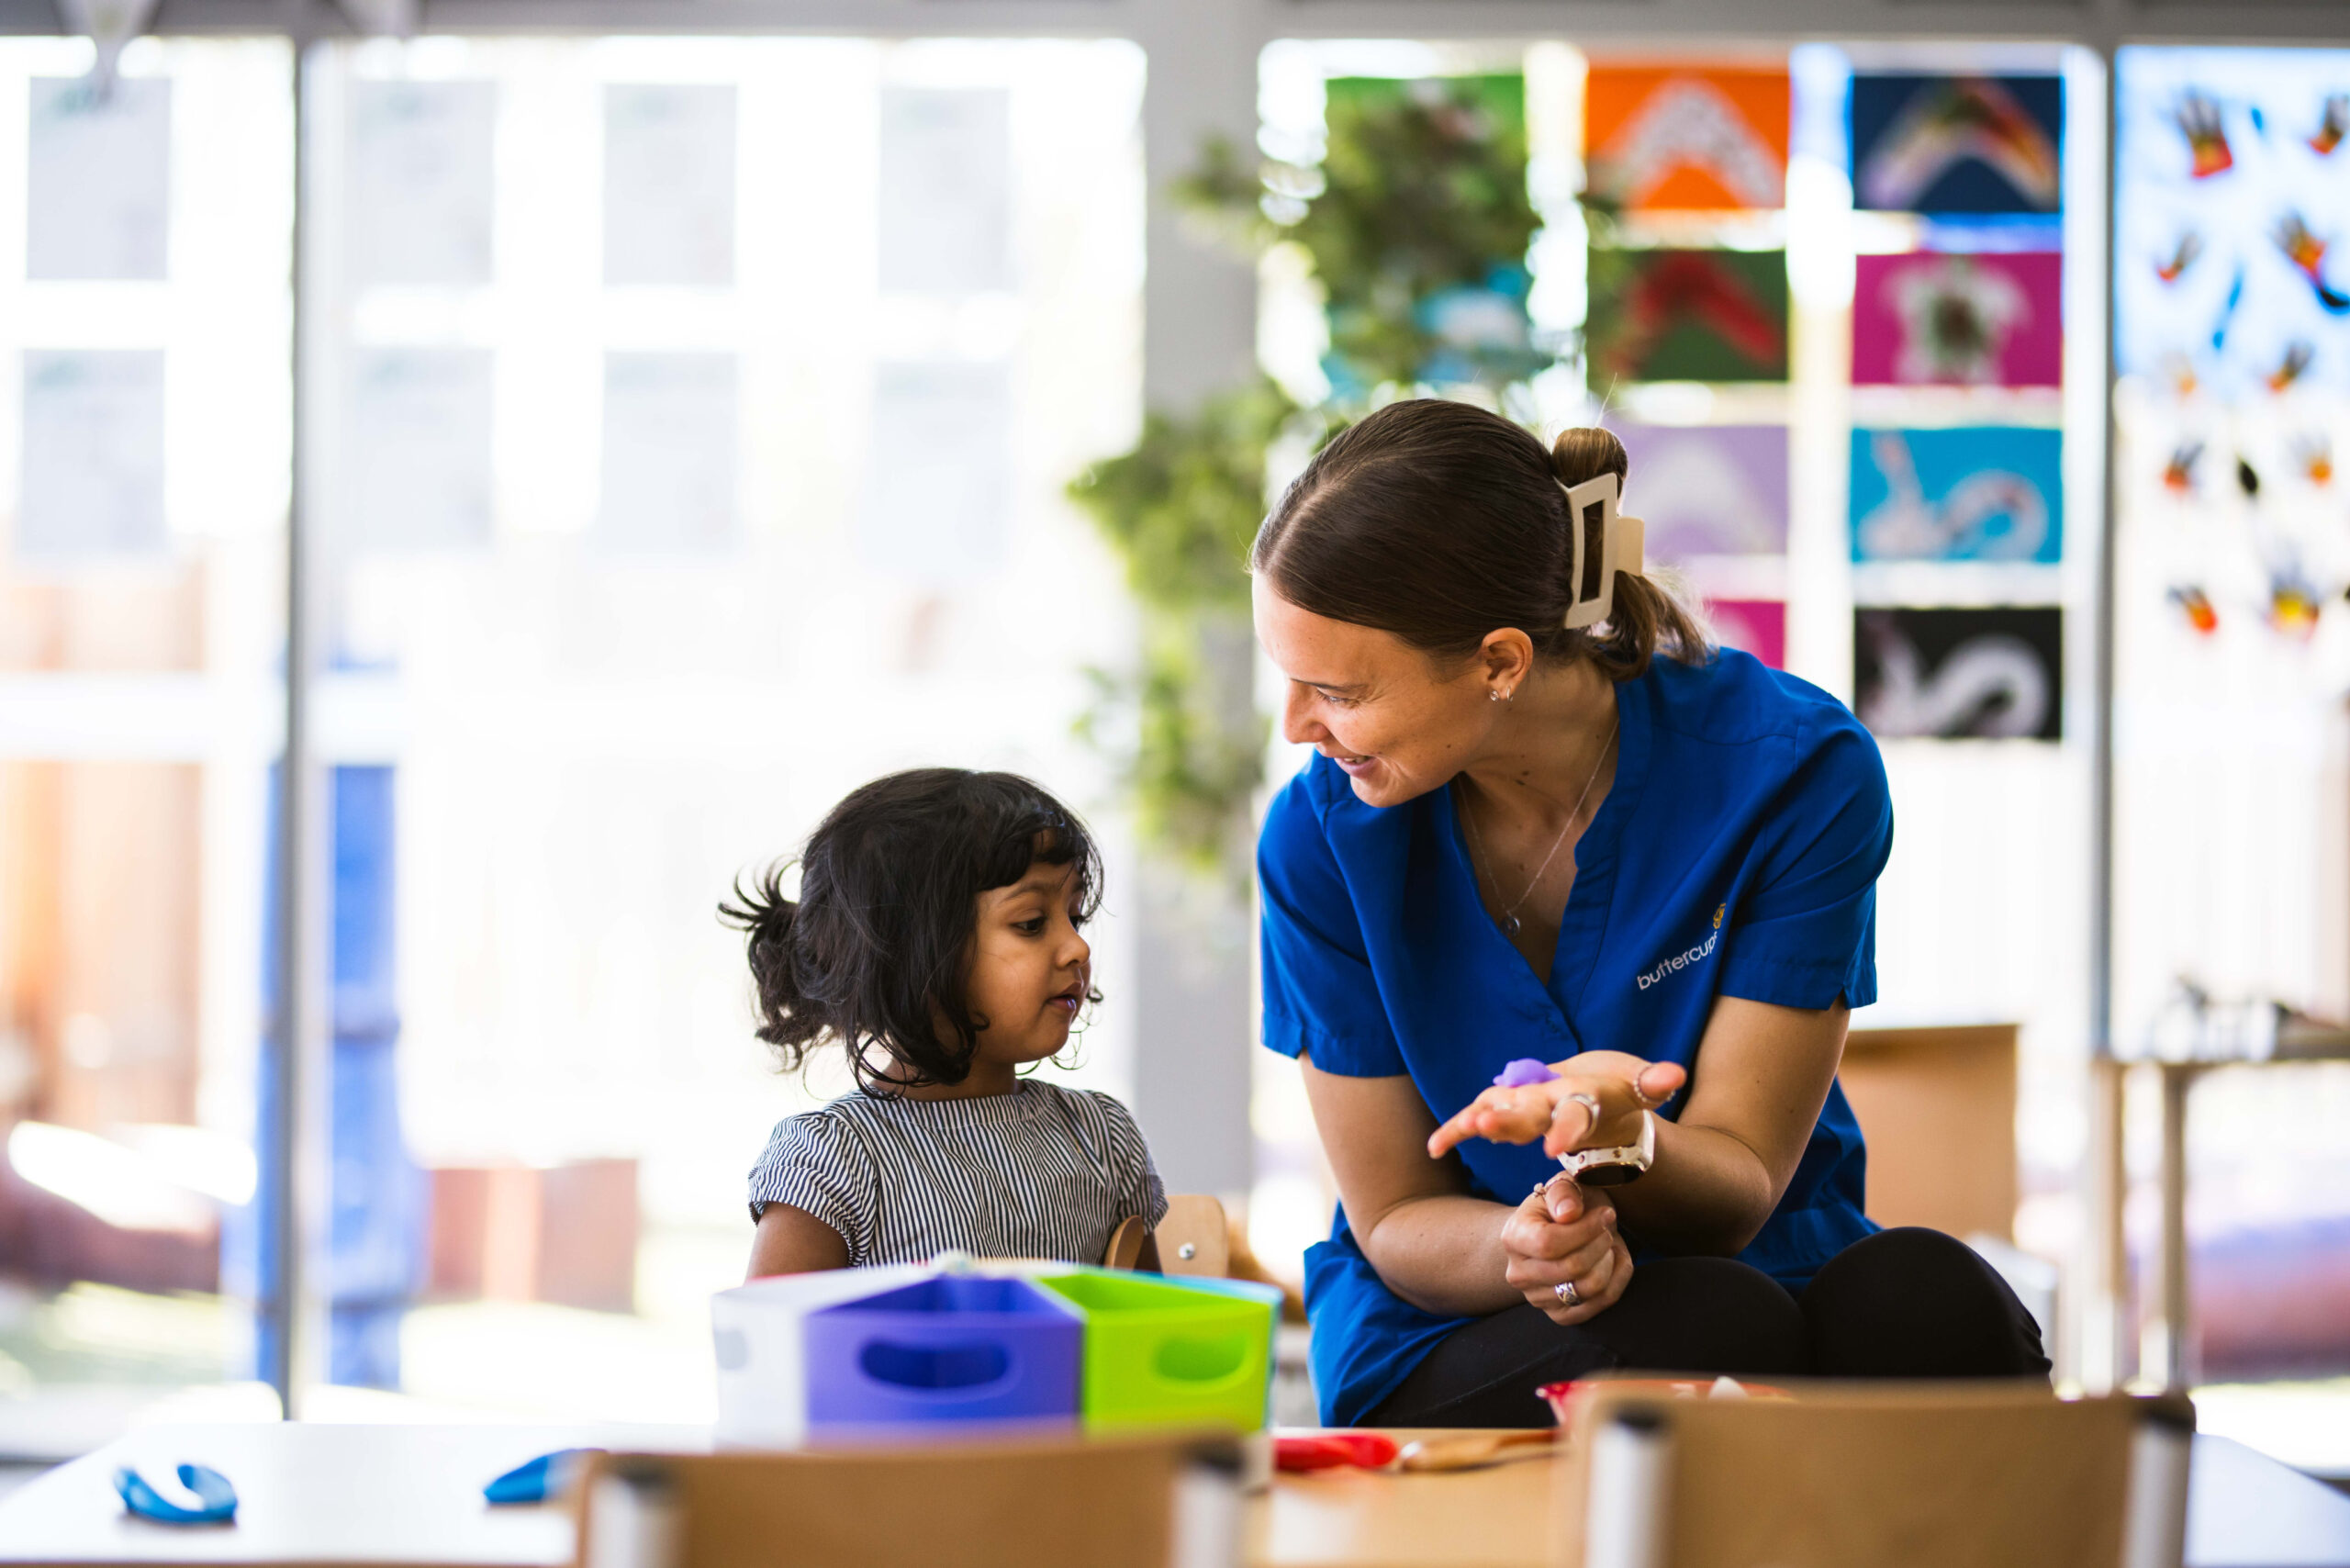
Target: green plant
(1181,509)
(1416,222)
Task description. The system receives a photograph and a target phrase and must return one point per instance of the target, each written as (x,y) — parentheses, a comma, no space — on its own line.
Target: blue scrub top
(1736,855)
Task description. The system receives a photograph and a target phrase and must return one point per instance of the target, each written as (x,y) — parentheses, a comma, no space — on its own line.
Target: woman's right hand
(1563,1234)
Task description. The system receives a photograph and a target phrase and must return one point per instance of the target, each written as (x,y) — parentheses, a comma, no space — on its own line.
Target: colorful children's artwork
(1956,144)
(1687,138)
(1973,494)
(1708,489)
(1985,321)
(2232,257)
(1960,674)
(1666,315)
(1757,626)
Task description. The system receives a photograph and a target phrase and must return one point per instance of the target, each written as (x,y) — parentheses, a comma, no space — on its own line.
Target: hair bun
(1582,454)
(764,912)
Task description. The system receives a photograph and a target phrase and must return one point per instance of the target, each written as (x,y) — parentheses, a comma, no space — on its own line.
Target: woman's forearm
(1707,1193)
(1442,1254)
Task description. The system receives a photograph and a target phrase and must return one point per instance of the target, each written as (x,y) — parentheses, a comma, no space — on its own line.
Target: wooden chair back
(1195,1237)
(1924,1476)
(1146,1501)
(1933,1103)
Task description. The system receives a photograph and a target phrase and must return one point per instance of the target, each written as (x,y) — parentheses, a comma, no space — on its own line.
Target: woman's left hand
(1623,1085)
(1566,1255)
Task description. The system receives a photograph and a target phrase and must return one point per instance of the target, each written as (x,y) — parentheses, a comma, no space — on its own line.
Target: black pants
(1907,1303)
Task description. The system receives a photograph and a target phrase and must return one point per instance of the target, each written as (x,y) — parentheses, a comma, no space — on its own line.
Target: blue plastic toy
(536,1480)
(216,1498)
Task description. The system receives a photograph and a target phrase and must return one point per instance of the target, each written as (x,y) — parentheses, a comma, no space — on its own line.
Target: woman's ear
(1505,659)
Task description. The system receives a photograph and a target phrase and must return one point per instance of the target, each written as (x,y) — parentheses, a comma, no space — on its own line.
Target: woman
(1615,850)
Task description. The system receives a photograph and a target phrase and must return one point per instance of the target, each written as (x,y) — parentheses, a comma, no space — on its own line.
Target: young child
(937,940)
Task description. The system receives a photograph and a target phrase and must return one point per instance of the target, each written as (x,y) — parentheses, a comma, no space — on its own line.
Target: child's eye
(1032,926)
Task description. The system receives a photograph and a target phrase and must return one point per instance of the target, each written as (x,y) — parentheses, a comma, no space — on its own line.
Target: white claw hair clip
(1605,542)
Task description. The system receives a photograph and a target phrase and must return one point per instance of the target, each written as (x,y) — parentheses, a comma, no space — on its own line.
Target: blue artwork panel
(1956,144)
(1980,493)
(2231,255)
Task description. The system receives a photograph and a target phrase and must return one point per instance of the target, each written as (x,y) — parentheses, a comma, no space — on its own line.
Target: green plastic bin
(1161,1355)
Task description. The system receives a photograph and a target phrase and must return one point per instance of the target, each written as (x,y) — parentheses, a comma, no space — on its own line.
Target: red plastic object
(1562,1395)
(1333,1450)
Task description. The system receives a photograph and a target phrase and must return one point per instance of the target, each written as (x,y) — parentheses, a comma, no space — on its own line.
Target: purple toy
(945,1350)
(1524,1071)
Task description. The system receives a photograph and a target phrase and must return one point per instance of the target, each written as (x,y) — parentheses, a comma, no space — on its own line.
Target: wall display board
(671,430)
(1685,315)
(669,184)
(420,173)
(418,465)
(98,174)
(2232,268)
(1956,144)
(1706,491)
(93,475)
(1687,138)
(946,190)
(1418,239)
(2231,299)
(1714,502)
(1968,494)
(938,496)
(1930,318)
(1757,626)
(1960,674)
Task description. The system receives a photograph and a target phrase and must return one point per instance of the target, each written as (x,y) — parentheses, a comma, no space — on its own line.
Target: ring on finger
(1588,1102)
(1566,1294)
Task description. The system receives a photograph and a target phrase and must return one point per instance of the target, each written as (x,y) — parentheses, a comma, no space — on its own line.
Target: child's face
(1030,968)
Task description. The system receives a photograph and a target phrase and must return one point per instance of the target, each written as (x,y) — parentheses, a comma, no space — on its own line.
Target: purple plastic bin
(945,1350)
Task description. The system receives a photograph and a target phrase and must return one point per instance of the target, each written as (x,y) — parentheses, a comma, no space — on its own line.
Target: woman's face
(1394,720)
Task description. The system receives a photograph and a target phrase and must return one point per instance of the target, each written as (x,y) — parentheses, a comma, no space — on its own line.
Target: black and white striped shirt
(1041,1173)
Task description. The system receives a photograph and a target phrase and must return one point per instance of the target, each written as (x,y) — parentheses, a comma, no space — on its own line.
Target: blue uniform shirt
(1736,855)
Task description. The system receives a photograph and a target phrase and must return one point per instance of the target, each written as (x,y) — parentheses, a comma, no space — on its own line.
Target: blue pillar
(377,1200)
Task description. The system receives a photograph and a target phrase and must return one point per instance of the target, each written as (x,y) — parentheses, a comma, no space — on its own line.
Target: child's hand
(1623,1085)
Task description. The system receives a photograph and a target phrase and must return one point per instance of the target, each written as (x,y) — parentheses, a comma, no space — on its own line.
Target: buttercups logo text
(1680,961)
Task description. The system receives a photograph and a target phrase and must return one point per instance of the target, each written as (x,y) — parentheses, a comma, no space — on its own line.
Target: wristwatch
(1614,1167)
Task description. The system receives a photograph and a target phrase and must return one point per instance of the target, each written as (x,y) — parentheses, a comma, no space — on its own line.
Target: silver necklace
(1510,924)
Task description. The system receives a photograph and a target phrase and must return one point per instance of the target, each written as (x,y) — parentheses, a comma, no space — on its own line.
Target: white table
(410,1496)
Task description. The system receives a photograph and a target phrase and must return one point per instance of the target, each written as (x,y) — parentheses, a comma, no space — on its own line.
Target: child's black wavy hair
(877,950)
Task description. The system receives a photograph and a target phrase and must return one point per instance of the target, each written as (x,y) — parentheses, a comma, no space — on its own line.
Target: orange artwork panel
(1687,138)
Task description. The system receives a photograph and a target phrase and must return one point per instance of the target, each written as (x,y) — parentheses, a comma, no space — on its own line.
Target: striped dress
(1041,1173)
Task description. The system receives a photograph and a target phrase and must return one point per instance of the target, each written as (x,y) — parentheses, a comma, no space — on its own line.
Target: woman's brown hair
(1441,522)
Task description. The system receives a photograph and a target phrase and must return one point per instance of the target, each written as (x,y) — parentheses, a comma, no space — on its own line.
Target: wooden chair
(1923,1475)
(1936,1104)
(1195,1237)
(1128,1501)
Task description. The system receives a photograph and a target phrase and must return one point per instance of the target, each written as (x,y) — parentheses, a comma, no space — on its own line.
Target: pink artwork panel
(1757,626)
(1933,317)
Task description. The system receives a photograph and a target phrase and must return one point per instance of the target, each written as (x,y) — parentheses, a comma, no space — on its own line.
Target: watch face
(1610,1175)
